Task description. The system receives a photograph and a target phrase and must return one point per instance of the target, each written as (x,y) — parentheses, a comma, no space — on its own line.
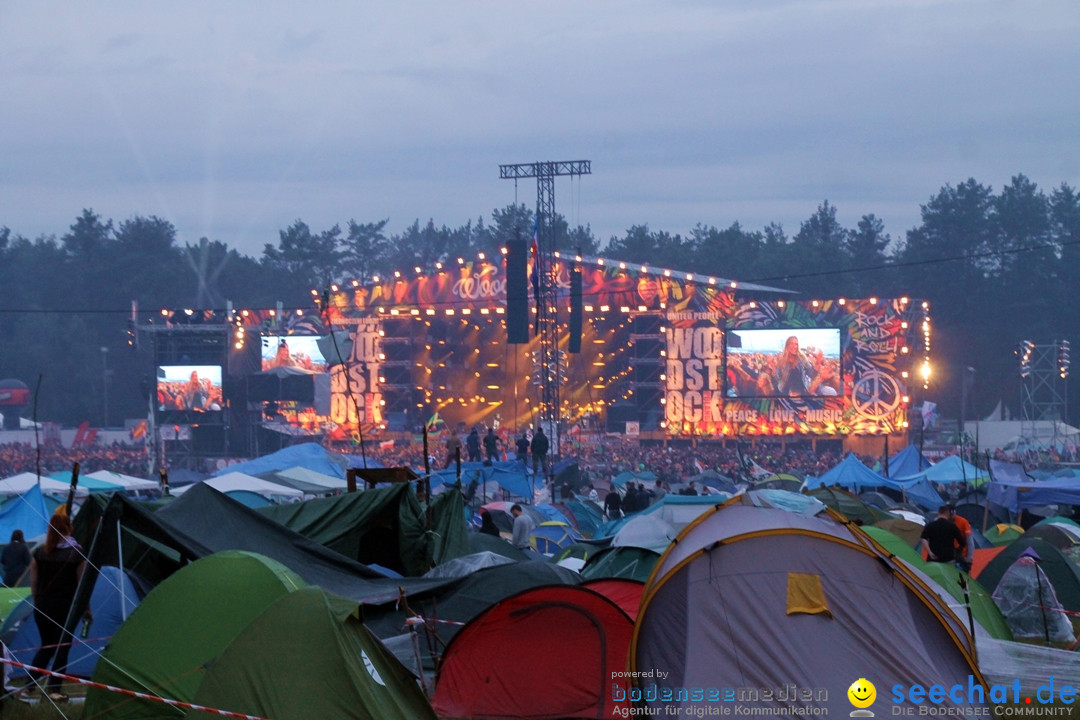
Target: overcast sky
(233,119)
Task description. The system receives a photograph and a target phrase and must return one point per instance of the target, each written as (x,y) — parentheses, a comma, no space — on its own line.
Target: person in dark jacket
(613,504)
(487,524)
(472,444)
(491,446)
(539,449)
(55,570)
(15,559)
(522,448)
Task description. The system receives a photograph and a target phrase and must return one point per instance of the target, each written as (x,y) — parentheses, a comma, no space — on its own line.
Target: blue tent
(950,470)
(307,455)
(1017,495)
(112,601)
(850,473)
(626,476)
(908,461)
(28,512)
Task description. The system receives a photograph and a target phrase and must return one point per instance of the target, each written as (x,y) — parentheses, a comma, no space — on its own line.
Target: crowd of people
(18,458)
(599,457)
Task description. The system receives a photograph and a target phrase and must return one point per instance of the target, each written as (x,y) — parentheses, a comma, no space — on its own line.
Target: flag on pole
(139,431)
(928,414)
(435,426)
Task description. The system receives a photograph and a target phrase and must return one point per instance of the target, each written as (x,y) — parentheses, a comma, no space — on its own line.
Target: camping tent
(849,505)
(310,481)
(29,511)
(182,625)
(947,577)
(113,600)
(203,521)
(850,473)
(1018,495)
(308,455)
(1029,602)
(238,481)
(951,469)
(385,526)
(908,461)
(308,655)
(18,484)
(743,581)
(126,482)
(627,562)
(569,644)
(449,607)
(1059,568)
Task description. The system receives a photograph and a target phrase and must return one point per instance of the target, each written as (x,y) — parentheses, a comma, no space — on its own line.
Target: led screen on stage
(299,351)
(771,363)
(189,388)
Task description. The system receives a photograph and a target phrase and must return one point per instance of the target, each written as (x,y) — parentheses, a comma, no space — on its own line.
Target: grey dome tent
(786,609)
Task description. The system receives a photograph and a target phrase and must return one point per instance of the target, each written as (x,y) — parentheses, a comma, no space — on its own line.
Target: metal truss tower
(1044,373)
(547,309)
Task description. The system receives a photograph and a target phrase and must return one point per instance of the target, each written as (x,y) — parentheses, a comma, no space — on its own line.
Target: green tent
(10,598)
(1061,571)
(384,526)
(627,562)
(182,625)
(307,655)
(1002,533)
(849,505)
(983,608)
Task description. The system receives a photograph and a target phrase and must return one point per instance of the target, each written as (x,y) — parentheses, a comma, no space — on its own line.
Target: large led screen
(770,363)
(189,388)
(299,351)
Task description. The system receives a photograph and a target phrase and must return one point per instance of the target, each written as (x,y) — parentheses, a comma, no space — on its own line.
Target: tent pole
(1042,605)
(971,618)
(120,564)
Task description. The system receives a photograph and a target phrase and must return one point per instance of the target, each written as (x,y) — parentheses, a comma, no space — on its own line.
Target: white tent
(18,484)
(127,482)
(235,481)
(307,478)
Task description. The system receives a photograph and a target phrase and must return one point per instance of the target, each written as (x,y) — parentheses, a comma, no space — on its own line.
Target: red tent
(549,652)
(624,592)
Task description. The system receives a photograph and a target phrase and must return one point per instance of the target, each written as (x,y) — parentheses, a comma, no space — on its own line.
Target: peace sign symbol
(875,395)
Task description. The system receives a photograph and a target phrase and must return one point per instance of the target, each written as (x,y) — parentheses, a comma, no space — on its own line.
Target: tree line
(997,268)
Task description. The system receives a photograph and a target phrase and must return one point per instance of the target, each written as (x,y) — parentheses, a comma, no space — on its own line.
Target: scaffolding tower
(549,360)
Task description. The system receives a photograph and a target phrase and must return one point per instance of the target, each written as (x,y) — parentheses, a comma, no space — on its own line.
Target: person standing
(55,570)
(613,504)
(539,449)
(966,552)
(472,443)
(487,524)
(523,527)
(491,446)
(522,448)
(941,538)
(15,559)
(453,448)
(658,492)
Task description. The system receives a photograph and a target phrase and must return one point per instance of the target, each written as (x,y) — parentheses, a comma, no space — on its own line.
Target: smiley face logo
(862,693)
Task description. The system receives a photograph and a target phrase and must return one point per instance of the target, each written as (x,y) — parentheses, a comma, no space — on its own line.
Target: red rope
(133,693)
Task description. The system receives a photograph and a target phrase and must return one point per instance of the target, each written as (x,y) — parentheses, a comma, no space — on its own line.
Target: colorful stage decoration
(674,353)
